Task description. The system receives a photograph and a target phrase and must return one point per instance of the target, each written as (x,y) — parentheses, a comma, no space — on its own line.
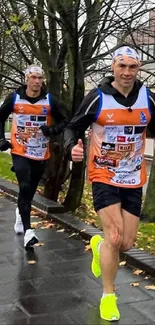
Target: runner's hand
(4,144)
(77,152)
(46,130)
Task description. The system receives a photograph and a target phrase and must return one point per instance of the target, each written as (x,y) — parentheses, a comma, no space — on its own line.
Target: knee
(116,235)
(127,244)
(24,189)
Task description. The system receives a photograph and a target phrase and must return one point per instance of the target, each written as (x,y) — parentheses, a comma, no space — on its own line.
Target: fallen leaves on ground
(40,191)
(134,284)
(35,217)
(147,277)
(86,241)
(87,248)
(38,213)
(47,225)
(39,244)
(36,224)
(34,213)
(74,234)
(90,221)
(31,262)
(122,263)
(146,237)
(44,224)
(138,272)
(150,287)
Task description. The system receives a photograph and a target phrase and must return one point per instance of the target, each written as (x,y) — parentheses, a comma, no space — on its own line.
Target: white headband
(126,51)
(34,69)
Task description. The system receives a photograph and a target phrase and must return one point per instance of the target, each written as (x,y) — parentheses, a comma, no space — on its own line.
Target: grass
(146,231)
(5,167)
(8,126)
(146,237)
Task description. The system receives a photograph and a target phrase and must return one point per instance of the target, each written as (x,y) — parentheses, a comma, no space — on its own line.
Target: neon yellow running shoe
(108,308)
(95,265)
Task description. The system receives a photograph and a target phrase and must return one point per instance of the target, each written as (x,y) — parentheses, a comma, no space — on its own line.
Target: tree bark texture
(148,211)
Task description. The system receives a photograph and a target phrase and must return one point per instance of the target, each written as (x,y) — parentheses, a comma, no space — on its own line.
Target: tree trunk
(75,191)
(57,166)
(57,170)
(74,195)
(148,211)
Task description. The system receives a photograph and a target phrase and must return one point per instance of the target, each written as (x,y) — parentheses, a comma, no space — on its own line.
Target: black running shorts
(105,195)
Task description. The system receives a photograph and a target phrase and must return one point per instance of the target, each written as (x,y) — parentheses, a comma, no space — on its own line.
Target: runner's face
(34,82)
(125,72)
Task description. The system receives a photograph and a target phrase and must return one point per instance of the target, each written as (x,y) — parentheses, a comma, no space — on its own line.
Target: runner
(119,110)
(36,116)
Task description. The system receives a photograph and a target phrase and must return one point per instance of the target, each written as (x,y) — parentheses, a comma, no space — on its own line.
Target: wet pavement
(59,287)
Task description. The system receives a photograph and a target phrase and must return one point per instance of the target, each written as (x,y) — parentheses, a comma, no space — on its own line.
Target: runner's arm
(59,115)
(151,125)
(5,110)
(83,118)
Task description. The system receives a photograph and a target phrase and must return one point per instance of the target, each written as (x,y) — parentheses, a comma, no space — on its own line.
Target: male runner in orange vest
(36,116)
(119,110)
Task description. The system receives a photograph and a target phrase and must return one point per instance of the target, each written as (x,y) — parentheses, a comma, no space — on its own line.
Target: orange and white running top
(117,145)
(26,137)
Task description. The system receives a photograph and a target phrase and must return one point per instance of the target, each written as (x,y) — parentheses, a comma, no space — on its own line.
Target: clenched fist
(77,152)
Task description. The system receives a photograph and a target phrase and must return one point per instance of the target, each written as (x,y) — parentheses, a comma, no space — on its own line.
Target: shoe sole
(18,232)
(32,242)
(115,319)
(97,275)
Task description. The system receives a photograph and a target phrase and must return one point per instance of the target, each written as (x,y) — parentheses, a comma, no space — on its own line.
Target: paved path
(59,288)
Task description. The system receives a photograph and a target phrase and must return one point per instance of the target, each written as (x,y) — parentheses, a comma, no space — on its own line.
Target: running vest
(26,137)
(116,154)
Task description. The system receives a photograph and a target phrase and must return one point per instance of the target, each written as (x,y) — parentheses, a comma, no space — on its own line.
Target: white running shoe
(18,226)
(30,238)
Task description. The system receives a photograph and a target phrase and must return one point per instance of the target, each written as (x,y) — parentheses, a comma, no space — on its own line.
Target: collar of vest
(22,93)
(107,88)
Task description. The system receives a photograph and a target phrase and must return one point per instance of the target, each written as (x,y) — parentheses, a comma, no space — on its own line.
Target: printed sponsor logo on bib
(44,111)
(143,118)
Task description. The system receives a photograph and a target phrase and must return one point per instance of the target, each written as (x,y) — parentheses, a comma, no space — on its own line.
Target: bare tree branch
(16,41)
(11,79)
(12,66)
